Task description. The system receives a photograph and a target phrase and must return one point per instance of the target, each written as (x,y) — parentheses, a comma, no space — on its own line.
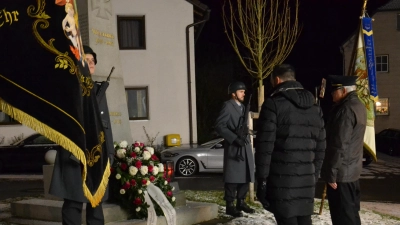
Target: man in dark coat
(290,148)
(66,180)
(343,162)
(238,155)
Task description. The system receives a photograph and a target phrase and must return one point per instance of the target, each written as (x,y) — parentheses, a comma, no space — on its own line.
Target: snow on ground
(263,217)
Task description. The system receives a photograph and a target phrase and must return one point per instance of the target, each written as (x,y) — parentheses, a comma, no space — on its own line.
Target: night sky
(326,25)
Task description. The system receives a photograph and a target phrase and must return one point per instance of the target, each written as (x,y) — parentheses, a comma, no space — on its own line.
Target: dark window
(382,63)
(138,103)
(6,119)
(131,32)
(398,21)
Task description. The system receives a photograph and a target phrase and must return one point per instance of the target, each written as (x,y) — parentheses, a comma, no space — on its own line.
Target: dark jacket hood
(295,93)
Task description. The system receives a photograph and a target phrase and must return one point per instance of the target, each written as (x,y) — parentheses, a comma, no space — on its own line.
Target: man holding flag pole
(350,129)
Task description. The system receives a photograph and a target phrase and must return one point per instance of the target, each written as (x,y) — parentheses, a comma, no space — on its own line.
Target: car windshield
(212,142)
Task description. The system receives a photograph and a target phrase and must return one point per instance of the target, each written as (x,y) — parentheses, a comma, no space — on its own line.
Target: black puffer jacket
(290,148)
(345,139)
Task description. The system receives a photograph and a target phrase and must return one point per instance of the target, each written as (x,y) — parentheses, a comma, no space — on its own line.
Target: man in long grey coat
(238,155)
(67,181)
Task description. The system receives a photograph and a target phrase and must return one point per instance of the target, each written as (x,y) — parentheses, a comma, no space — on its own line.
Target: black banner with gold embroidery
(46,85)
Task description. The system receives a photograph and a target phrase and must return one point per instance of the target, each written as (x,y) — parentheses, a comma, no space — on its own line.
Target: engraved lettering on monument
(103,6)
(103,37)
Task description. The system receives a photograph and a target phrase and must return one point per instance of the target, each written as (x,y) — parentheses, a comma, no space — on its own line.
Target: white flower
(137,209)
(146,155)
(148,182)
(123,144)
(133,170)
(165,182)
(115,145)
(173,199)
(173,188)
(118,176)
(121,153)
(122,191)
(137,149)
(140,191)
(161,167)
(144,170)
(150,149)
(155,170)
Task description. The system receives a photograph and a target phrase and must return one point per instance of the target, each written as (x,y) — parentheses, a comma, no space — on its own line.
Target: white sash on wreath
(159,197)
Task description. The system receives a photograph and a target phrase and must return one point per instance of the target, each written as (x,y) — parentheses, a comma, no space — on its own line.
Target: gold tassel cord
(64,142)
(98,196)
(44,100)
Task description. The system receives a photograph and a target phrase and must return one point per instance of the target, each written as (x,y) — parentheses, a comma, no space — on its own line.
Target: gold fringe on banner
(64,142)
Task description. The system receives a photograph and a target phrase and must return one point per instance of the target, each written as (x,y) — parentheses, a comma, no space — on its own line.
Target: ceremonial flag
(45,83)
(364,68)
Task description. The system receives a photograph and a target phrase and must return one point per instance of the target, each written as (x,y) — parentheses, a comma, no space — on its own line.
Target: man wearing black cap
(343,161)
(66,180)
(238,156)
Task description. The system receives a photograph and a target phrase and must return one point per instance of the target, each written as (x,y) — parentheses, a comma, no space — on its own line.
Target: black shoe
(241,205)
(232,211)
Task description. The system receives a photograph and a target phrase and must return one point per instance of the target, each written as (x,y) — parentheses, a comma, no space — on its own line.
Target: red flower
(136,144)
(124,166)
(112,170)
(133,155)
(138,164)
(169,193)
(154,157)
(150,167)
(126,186)
(133,182)
(144,181)
(152,178)
(168,179)
(137,201)
(141,144)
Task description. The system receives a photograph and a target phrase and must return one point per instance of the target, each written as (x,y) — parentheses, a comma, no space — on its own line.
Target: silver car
(207,157)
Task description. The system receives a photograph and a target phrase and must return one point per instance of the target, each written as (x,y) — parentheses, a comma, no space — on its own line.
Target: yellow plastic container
(172,140)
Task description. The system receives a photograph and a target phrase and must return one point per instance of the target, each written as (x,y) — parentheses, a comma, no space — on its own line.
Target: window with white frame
(382,63)
(138,103)
(382,107)
(131,32)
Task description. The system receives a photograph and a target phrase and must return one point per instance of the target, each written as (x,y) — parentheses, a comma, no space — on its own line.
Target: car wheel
(187,166)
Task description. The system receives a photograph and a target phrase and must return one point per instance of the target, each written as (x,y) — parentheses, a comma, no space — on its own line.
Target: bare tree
(262,33)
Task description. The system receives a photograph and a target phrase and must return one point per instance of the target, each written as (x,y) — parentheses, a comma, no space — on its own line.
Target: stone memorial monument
(98,30)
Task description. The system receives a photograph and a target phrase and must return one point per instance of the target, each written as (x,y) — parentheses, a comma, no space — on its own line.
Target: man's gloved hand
(262,192)
(239,142)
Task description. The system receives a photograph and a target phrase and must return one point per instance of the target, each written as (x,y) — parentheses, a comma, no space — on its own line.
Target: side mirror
(218,145)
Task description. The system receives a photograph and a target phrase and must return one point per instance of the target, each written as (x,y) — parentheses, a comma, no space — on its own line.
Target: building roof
(391,5)
(200,12)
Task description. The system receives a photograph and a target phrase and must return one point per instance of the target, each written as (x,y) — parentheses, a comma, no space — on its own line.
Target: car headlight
(169,154)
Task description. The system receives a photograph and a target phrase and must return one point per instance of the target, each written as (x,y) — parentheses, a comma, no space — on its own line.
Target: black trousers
(344,203)
(72,213)
(235,191)
(296,220)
